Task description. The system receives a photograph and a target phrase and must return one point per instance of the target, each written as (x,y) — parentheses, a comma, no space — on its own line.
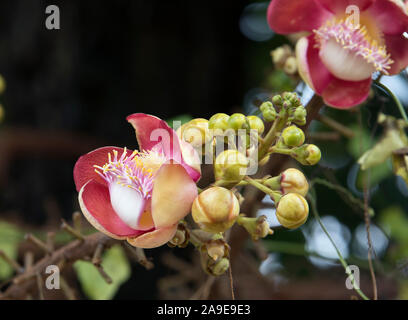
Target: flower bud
(220,267)
(290,66)
(256,227)
(268,111)
(216,249)
(195,132)
(292,211)
(299,116)
(237,121)
(294,181)
(277,100)
(219,121)
(215,209)
(308,154)
(230,166)
(256,123)
(293,136)
(181,237)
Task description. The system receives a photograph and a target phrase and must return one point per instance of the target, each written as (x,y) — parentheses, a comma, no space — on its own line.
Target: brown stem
(73,251)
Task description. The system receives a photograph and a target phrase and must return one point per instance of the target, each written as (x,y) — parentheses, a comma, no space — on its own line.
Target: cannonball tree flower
(338,56)
(141,195)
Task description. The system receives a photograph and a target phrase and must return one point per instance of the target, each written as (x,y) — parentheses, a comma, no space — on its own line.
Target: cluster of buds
(285,59)
(217,208)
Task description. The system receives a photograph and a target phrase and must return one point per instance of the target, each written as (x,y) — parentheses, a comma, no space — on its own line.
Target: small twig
(65,226)
(139,255)
(77,219)
(340,128)
(97,257)
(231,282)
(37,242)
(68,291)
(14,264)
(50,240)
(39,286)
(28,260)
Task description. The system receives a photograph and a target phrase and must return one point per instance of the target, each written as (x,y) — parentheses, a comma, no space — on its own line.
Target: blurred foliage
(115,264)
(10,237)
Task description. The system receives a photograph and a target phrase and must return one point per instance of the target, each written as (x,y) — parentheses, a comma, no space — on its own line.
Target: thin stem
(341,259)
(395,98)
(275,195)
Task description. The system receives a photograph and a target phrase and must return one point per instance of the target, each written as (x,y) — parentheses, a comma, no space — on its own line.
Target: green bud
(237,121)
(268,111)
(256,227)
(293,136)
(299,116)
(308,154)
(220,267)
(256,123)
(219,121)
(277,100)
(230,166)
(266,106)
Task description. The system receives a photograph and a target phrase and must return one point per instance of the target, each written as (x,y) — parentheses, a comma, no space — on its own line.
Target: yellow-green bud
(256,227)
(294,181)
(308,154)
(299,116)
(268,111)
(215,209)
(293,136)
(277,100)
(230,166)
(290,66)
(220,267)
(237,121)
(216,249)
(256,123)
(314,154)
(219,121)
(195,132)
(292,211)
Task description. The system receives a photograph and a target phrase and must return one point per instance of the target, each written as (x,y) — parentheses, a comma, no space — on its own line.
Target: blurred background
(69,91)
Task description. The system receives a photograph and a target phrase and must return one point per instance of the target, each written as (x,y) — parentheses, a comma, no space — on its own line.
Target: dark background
(108,60)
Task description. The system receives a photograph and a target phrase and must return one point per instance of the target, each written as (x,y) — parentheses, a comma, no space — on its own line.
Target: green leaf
(10,237)
(361,141)
(183,118)
(115,264)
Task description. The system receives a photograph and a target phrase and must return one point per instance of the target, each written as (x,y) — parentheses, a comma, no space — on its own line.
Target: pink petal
(154,132)
(173,195)
(346,94)
(389,16)
(84,168)
(311,68)
(289,16)
(154,238)
(95,203)
(397,46)
(340,6)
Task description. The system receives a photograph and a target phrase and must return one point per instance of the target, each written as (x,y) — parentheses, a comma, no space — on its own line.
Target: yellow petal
(154,239)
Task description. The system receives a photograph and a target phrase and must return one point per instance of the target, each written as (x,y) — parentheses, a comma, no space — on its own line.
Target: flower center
(130,179)
(351,53)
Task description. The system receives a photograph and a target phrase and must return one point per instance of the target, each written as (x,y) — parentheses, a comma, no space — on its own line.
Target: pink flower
(337,58)
(139,195)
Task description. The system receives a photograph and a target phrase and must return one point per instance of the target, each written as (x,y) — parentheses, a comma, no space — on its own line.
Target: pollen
(356,40)
(136,171)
